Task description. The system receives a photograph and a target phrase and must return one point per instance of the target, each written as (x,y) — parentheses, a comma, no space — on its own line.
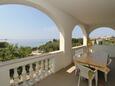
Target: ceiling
(90,12)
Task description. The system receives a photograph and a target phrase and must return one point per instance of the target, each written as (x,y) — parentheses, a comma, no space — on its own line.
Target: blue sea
(28,42)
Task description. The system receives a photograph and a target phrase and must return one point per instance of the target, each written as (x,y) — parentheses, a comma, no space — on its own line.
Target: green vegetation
(3,44)
(9,51)
(77,42)
(49,46)
(110,41)
(54,45)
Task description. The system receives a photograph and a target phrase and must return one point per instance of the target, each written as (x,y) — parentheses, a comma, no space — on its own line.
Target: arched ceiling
(90,12)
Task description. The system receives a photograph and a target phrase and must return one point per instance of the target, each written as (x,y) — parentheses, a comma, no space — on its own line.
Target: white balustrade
(27,71)
(78,50)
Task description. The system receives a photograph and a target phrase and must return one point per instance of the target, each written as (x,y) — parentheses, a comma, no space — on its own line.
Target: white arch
(92,28)
(64,22)
(96,28)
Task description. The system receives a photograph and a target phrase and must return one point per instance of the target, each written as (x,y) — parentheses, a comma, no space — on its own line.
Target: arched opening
(78,36)
(28,27)
(103,36)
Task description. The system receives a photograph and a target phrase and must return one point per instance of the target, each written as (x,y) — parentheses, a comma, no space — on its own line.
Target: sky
(23,22)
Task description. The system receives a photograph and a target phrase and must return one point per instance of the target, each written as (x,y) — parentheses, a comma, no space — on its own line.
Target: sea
(28,42)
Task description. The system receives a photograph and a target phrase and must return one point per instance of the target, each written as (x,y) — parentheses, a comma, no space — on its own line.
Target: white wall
(110,49)
(59,60)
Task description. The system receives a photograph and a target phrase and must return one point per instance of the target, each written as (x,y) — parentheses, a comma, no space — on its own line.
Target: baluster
(24,75)
(50,66)
(16,79)
(19,69)
(34,70)
(42,69)
(46,67)
(51,69)
(31,74)
(37,71)
(37,67)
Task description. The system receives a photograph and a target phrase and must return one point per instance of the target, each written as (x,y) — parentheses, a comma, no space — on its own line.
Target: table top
(92,62)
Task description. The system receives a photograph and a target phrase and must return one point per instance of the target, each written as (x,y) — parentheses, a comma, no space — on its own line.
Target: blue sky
(23,22)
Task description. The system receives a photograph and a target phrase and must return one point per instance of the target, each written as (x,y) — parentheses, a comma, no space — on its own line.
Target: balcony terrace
(63,78)
(50,69)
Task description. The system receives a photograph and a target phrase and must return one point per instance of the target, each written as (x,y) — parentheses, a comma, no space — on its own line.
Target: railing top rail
(35,58)
(77,47)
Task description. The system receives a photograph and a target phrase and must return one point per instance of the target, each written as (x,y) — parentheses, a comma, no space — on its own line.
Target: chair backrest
(84,71)
(100,56)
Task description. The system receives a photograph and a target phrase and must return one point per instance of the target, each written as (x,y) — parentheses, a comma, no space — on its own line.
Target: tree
(77,42)
(49,46)
(54,45)
(13,51)
(24,51)
(3,44)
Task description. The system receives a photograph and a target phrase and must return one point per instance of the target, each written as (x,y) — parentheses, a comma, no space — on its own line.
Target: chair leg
(79,80)
(90,82)
(105,77)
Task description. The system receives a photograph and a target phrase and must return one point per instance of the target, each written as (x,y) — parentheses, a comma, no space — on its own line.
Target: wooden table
(93,63)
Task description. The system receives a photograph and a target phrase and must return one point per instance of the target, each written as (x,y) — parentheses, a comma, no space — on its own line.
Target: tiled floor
(62,78)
